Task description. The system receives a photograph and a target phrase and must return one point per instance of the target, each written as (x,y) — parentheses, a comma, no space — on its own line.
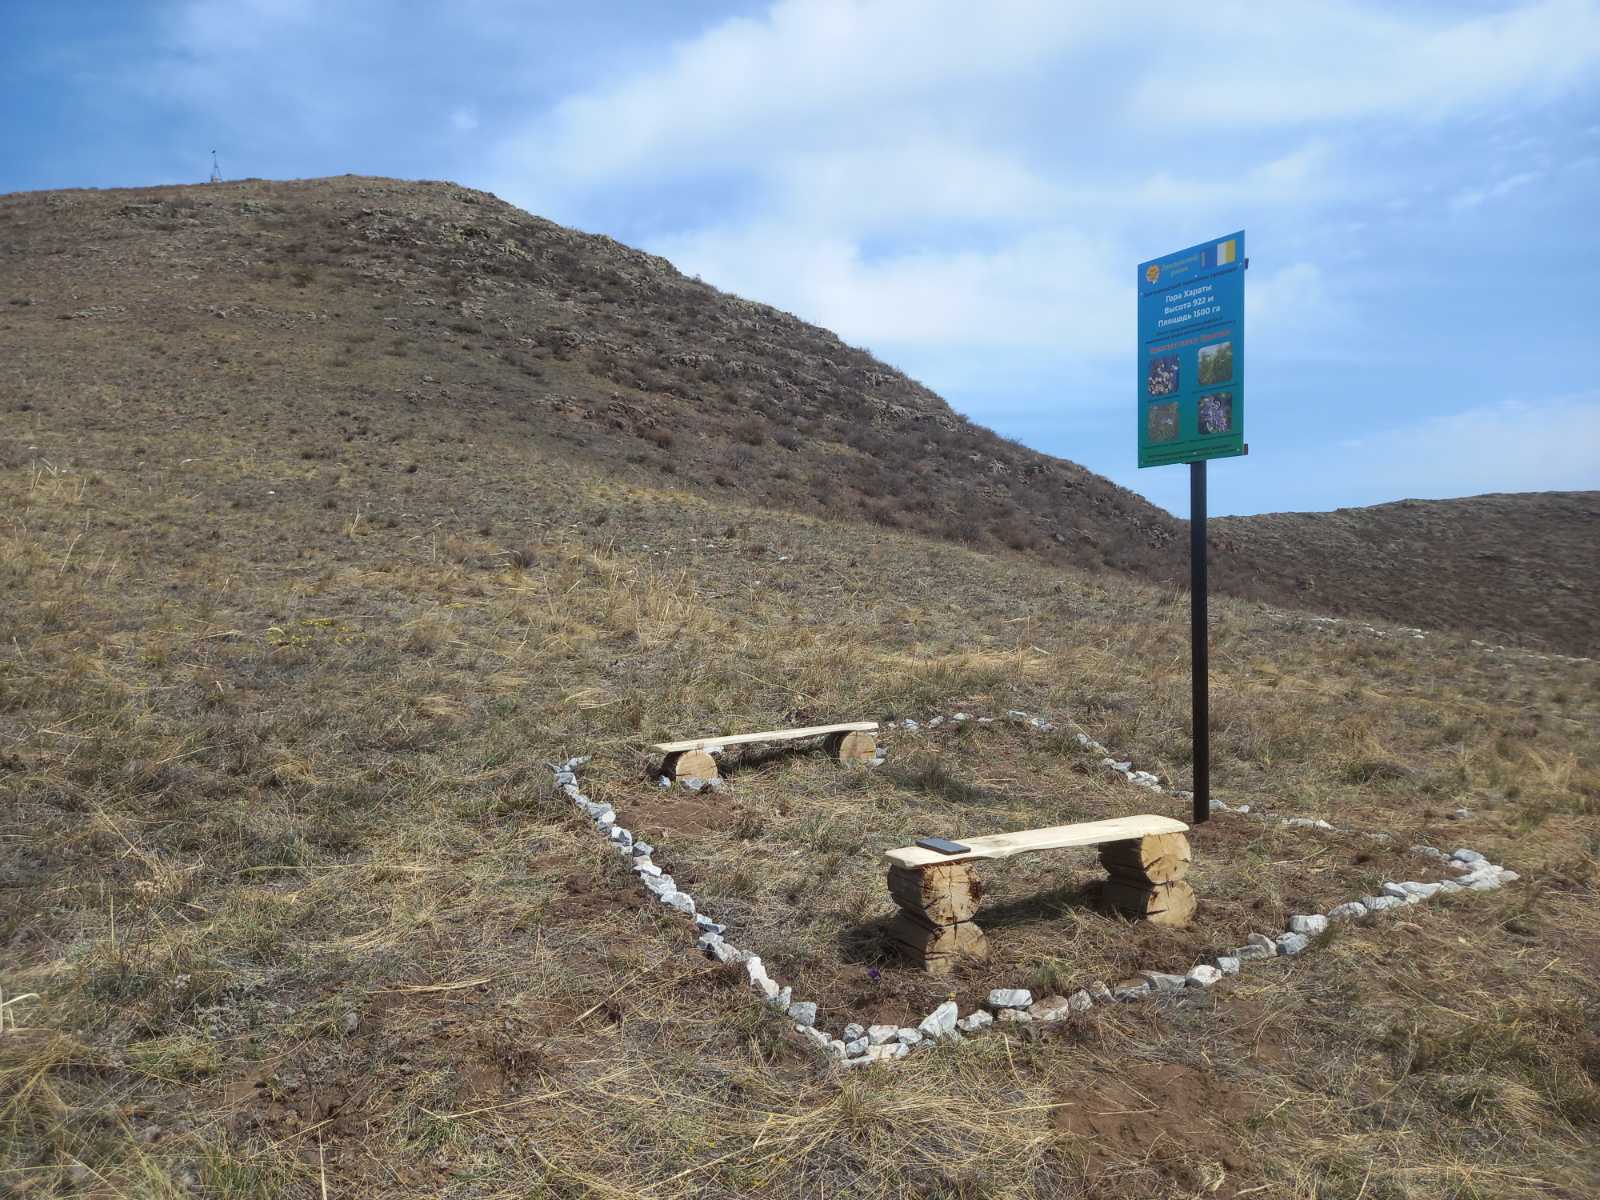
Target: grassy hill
(299,593)
(349,316)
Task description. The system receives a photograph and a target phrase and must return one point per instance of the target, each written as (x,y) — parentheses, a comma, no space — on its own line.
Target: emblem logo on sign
(1152,273)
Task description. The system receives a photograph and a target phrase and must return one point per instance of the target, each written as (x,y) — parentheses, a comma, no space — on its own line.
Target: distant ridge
(327,310)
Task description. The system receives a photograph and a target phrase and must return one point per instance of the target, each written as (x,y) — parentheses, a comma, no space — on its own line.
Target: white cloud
(795,80)
(788,80)
(1296,64)
(1473,197)
(1514,446)
(1048,288)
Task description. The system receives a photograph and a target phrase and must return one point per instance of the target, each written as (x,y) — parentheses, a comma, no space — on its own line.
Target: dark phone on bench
(942,845)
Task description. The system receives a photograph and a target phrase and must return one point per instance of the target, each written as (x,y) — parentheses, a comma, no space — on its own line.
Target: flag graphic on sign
(1224,252)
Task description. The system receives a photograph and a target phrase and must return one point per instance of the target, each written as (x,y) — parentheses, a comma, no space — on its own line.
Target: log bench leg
(689,764)
(1147,878)
(934,927)
(854,746)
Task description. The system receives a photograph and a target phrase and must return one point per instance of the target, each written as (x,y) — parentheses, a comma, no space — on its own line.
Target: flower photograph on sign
(1216,412)
(1163,378)
(1216,363)
(1163,422)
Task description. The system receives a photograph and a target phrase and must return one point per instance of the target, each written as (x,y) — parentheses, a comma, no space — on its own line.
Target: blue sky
(965,189)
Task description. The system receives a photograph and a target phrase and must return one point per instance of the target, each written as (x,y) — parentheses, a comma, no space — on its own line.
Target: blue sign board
(1191,354)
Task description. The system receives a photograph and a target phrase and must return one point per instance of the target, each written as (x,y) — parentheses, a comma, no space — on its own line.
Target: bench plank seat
(771,735)
(1056,837)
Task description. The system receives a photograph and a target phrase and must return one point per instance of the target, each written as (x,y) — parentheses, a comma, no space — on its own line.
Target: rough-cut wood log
(1159,858)
(853,747)
(944,895)
(1158,903)
(937,948)
(690,764)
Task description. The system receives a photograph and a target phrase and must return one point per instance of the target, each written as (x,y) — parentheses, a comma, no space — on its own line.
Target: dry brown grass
(286,874)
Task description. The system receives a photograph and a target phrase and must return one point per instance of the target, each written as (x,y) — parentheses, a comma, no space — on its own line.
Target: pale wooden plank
(772,735)
(1026,841)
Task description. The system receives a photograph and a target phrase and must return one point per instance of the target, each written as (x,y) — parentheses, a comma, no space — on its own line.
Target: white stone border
(861,1045)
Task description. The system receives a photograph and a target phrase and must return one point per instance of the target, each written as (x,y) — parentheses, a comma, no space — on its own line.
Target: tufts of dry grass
(288,880)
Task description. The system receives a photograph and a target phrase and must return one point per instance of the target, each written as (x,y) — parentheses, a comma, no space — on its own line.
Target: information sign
(1191,354)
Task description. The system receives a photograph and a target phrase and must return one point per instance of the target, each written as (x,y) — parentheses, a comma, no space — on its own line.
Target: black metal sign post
(1199,666)
(1190,409)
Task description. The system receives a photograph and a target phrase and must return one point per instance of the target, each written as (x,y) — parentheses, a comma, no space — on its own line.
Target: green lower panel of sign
(1159,456)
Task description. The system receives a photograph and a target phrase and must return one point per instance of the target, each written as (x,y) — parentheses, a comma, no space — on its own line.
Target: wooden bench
(850,742)
(938,894)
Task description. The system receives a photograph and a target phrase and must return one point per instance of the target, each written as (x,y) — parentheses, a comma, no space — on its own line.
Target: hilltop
(344,313)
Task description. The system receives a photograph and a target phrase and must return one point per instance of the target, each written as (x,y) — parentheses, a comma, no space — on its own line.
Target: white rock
(853,1031)
(941,1022)
(682,901)
(908,1037)
(781,1000)
(1382,903)
(1308,923)
(855,1047)
(1254,950)
(1350,910)
(1014,1016)
(1202,976)
(1099,992)
(803,1012)
(1421,890)
(1080,1001)
(1292,943)
(880,1035)
(975,1022)
(1132,990)
(1262,940)
(838,1048)
(1396,890)
(1228,964)
(1508,876)
(1051,1008)
(1468,856)
(815,1036)
(1163,982)
(1450,885)
(1010,998)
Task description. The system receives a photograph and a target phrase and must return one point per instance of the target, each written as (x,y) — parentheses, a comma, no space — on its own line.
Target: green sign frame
(1190,405)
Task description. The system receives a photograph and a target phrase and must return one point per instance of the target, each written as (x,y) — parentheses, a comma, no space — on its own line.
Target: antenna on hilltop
(216,171)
